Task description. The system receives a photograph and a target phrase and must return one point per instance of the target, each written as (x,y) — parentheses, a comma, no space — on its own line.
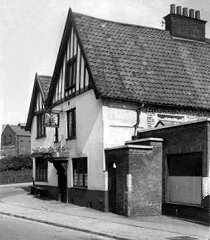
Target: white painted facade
(98,126)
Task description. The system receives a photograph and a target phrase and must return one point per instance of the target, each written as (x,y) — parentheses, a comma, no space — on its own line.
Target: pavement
(15,200)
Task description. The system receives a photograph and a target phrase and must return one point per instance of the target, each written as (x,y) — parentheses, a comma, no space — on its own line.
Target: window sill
(41,137)
(43,181)
(70,138)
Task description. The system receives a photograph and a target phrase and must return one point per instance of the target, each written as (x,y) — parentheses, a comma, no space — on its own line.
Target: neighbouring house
(15,140)
(110,81)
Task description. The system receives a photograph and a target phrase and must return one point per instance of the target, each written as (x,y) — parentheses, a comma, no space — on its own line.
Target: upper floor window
(40,126)
(56,135)
(71,123)
(70,73)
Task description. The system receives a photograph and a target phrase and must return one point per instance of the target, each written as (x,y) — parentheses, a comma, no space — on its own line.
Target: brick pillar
(129,193)
(145,165)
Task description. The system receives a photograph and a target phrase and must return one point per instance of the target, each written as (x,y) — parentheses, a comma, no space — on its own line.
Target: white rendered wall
(118,125)
(119,121)
(44,142)
(89,137)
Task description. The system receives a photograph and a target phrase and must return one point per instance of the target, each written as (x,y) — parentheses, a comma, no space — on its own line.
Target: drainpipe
(136,125)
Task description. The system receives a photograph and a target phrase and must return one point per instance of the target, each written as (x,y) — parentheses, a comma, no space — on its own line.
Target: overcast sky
(31,30)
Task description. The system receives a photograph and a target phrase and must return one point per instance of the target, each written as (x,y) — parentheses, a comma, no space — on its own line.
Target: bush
(15,163)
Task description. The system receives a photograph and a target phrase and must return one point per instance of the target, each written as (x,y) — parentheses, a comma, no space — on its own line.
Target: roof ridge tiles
(121,23)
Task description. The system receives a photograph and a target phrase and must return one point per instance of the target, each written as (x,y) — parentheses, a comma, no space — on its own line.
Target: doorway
(112,186)
(62,180)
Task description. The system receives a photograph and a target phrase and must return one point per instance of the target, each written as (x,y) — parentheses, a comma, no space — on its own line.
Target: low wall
(19,176)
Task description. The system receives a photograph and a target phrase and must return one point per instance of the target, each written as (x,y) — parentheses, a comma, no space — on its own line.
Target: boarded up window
(189,164)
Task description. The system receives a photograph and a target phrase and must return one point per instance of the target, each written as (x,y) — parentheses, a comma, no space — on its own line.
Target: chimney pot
(185,23)
(172,11)
(179,10)
(197,15)
(191,13)
(185,12)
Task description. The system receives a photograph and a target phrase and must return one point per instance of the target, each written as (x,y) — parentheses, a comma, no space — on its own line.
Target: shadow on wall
(206,202)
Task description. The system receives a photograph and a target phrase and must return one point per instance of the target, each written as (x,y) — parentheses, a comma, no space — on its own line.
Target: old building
(111,80)
(15,140)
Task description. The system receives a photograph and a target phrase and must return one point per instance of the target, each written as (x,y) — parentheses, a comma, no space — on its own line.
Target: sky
(31,31)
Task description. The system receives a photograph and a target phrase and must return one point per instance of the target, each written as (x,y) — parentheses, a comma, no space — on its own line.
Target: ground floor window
(41,169)
(80,172)
(189,164)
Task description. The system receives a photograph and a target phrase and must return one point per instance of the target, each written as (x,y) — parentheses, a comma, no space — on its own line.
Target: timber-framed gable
(38,99)
(72,75)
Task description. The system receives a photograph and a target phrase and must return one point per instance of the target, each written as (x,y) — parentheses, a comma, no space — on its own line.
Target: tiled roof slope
(20,131)
(44,82)
(143,64)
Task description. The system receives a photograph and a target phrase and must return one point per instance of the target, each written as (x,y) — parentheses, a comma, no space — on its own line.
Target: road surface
(12,228)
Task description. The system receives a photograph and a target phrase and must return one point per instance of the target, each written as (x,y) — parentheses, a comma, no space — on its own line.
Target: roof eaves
(152,104)
(92,78)
(58,63)
(32,104)
(40,87)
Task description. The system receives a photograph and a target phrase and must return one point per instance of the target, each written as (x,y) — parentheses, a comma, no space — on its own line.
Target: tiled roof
(44,82)
(143,64)
(19,131)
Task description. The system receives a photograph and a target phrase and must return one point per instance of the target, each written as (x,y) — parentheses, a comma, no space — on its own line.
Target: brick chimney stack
(185,24)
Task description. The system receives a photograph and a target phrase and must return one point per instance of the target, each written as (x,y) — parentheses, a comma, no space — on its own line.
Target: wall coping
(130,147)
(151,139)
(200,121)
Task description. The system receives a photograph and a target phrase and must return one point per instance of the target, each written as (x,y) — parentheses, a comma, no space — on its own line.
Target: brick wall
(145,167)
(186,138)
(142,193)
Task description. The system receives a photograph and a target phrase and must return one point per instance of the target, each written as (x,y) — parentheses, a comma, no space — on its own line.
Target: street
(12,228)
(45,219)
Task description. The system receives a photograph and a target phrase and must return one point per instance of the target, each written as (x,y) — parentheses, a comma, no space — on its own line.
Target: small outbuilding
(165,170)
